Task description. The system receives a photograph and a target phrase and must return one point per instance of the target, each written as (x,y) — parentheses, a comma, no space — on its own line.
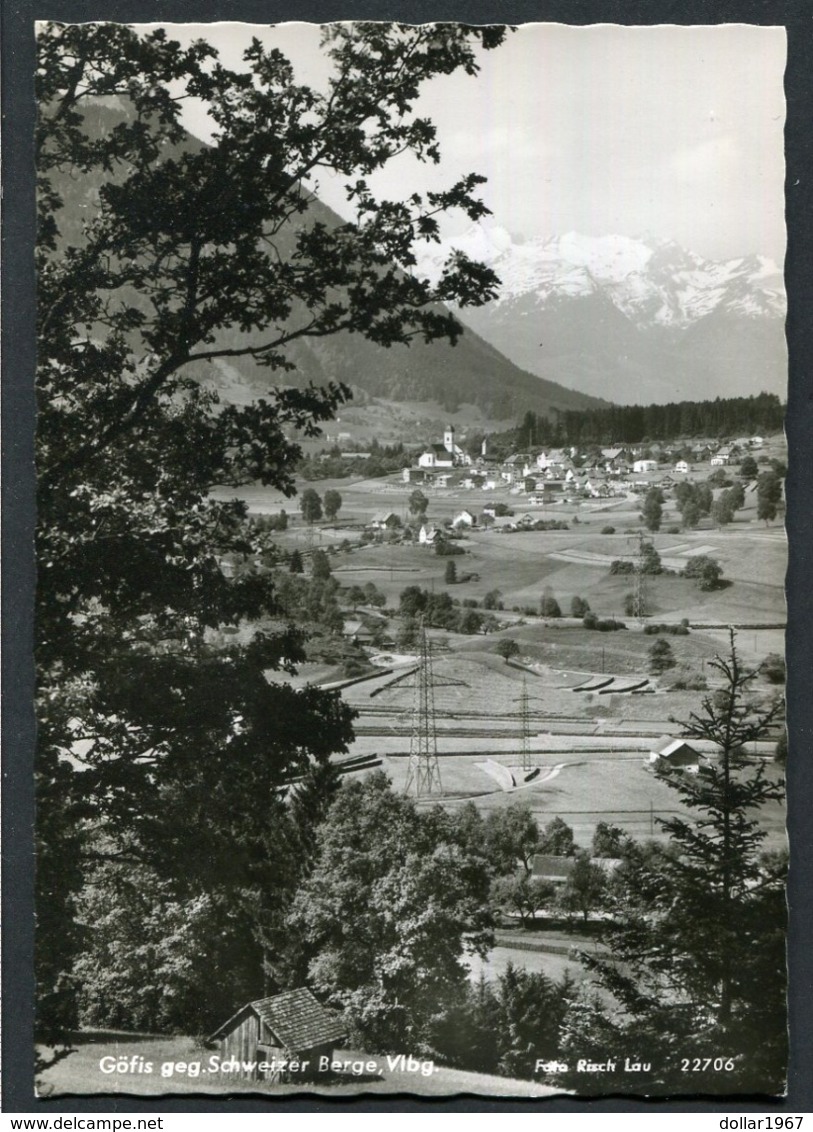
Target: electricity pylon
(640,604)
(525,726)
(423,773)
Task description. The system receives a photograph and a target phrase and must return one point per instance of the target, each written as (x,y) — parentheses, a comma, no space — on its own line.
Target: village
(566,474)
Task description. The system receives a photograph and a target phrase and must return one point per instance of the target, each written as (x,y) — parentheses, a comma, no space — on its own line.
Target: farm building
(674,752)
(385,521)
(558,870)
(552,868)
(357,632)
(279,1038)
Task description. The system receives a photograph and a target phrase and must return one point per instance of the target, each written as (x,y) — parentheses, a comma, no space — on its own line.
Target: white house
(436,456)
(557,457)
(464,519)
(682,468)
(427,534)
(640,466)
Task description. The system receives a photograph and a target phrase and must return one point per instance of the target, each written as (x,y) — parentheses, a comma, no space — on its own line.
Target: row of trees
(314,507)
(634,424)
(379,460)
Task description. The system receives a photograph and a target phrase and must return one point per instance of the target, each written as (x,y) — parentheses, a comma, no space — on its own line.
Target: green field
(591,750)
(593,746)
(572,562)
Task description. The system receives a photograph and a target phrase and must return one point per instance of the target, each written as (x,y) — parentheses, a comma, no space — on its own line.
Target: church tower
(448,439)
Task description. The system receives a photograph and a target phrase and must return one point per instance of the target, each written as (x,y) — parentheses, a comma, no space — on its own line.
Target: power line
(525,726)
(423,772)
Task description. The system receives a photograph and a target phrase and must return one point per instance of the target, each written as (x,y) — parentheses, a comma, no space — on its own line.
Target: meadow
(79,1074)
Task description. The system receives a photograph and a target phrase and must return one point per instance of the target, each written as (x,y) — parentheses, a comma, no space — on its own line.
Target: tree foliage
(557,839)
(512,838)
(608,840)
(390,909)
(661,657)
(773,668)
(769,495)
(584,887)
(633,424)
(653,509)
(523,895)
(579,606)
(704,570)
(507,648)
(158,257)
(310,504)
(532,1011)
(549,606)
(698,945)
(694,500)
(332,503)
(418,503)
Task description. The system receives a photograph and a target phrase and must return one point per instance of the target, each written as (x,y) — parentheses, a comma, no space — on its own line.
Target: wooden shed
(674,752)
(281,1038)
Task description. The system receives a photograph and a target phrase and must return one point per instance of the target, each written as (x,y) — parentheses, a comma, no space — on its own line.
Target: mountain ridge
(646,320)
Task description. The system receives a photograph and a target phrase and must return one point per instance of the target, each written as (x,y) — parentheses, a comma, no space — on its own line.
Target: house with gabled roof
(385,521)
(280,1038)
(558,870)
(669,751)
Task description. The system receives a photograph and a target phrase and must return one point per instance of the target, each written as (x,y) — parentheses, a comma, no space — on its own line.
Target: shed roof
(297,1019)
(552,867)
(668,746)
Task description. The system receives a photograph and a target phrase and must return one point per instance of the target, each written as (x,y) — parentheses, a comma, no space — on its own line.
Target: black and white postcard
(410,615)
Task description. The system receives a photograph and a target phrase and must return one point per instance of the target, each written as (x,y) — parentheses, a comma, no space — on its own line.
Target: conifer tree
(698,951)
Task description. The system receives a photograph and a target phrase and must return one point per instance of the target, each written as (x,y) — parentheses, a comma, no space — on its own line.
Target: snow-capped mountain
(629,319)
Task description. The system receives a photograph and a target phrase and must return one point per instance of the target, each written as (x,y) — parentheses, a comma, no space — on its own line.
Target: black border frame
(17,299)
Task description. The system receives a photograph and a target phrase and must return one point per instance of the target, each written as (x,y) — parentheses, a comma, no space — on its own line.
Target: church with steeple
(445,455)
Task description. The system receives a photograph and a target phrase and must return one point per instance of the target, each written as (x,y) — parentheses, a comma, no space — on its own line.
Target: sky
(668,132)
